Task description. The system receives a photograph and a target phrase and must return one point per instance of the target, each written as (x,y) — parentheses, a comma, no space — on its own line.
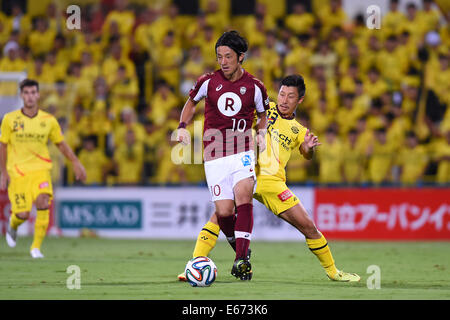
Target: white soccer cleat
(36,253)
(11,236)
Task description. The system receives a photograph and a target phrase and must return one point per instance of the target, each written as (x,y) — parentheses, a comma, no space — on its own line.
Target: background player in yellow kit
(285,134)
(25,163)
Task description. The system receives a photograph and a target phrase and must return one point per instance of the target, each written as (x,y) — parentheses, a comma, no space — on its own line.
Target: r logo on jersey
(229,104)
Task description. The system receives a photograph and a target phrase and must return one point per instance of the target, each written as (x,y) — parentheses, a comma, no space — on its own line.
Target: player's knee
(243,198)
(23,215)
(43,202)
(224,212)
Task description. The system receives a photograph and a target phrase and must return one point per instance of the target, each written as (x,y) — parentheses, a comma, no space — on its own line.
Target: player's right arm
(198,92)
(4,140)
(187,114)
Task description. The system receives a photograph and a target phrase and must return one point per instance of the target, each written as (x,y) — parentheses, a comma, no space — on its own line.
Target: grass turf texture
(147,269)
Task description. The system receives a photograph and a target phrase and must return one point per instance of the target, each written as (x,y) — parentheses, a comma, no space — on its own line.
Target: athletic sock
(206,240)
(15,221)
(322,251)
(40,228)
(243,229)
(226,224)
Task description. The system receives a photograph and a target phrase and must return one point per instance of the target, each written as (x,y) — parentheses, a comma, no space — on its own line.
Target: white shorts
(224,173)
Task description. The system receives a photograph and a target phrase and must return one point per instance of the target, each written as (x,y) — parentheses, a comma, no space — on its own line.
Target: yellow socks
(40,228)
(206,240)
(15,221)
(320,248)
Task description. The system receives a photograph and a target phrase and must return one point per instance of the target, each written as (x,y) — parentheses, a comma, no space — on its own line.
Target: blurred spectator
(161,103)
(168,58)
(412,159)
(95,162)
(393,20)
(122,15)
(12,62)
(381,157)
(129,160)
(353,159)
(123,91)
(330,157)
(442,156)
(374,85)
(41,38)
(299,21)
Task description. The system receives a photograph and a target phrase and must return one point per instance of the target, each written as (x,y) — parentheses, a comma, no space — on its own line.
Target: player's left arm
(262,104)
(78,168)
(307,146)
(261,130)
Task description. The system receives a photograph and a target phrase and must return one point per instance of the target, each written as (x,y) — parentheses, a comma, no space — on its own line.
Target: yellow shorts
(275,195)
(24,190)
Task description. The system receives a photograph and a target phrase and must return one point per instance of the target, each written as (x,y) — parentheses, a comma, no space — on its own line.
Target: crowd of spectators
(377,98)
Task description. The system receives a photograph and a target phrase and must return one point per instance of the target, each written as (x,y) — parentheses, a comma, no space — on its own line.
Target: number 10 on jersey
(239,124)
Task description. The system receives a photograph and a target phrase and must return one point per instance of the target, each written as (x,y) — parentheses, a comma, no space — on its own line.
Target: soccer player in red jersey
(231,97)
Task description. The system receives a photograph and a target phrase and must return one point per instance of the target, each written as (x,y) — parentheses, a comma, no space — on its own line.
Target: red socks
(238,230)
(243,229)
(226,224)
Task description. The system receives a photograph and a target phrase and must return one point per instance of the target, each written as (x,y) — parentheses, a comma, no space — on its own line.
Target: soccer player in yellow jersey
(285,135)
(25,163)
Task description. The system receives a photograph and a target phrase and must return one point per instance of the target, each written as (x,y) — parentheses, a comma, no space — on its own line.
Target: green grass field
(147,269)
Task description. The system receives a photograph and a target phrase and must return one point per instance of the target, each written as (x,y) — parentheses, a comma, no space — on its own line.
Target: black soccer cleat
(242,269)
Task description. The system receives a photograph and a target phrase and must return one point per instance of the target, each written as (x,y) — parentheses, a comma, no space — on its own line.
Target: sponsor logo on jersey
(229,104)
(44,185)
(286,194)
(246,160)
(219,87)
(243,90)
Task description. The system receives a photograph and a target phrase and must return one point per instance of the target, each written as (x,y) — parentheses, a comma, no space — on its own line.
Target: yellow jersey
(27,140)
(283,136)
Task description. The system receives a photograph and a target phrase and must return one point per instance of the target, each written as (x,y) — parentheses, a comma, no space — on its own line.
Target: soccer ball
(200,272)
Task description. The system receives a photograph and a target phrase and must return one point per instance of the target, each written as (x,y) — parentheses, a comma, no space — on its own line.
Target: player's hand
(261,141)
(311,140)
(4,180)
(183,136)
(80,172)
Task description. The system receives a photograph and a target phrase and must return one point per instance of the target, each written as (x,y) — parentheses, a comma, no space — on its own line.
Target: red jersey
(229,112)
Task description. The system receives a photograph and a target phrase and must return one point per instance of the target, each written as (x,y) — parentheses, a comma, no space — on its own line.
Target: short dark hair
(233,40)
(295,80)
(28,83)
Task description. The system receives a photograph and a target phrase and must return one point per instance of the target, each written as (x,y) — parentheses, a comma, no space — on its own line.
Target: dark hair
(233,40)
(380,130)
(28,83)
(295,80)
